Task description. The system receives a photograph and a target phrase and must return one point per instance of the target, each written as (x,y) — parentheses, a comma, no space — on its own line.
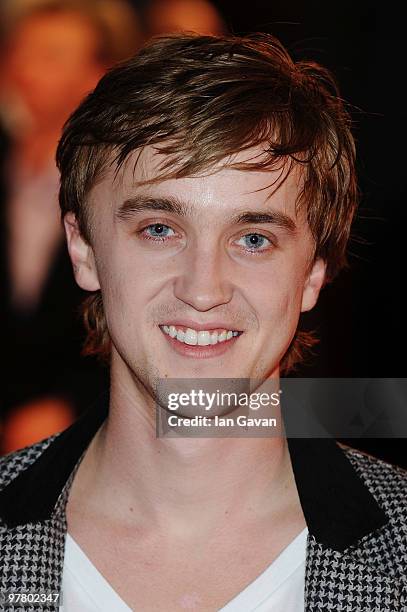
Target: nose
(203,281)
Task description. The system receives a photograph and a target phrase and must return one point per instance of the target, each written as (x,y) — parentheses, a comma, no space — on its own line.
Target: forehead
(217,189)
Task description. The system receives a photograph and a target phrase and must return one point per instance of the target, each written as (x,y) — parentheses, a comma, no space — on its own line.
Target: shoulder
(13,464)
(386,482)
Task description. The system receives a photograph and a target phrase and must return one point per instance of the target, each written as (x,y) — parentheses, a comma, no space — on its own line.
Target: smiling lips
(190,336)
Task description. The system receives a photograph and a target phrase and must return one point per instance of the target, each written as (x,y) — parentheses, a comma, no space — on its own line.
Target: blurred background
(53,53)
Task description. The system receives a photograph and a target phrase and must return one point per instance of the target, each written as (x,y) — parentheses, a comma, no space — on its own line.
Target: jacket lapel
(337,581)
(349,533)
(32,506)
(32,556)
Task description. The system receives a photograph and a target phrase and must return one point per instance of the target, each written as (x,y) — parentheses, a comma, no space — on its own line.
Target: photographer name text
(217,421)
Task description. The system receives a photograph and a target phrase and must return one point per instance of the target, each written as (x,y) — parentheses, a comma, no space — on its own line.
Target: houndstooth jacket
(355,507)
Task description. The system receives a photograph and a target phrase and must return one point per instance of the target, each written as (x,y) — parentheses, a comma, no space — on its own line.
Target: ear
(81,254)
(313,285)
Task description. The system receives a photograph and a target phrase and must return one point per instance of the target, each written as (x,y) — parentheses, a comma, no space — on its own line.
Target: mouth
(200,343)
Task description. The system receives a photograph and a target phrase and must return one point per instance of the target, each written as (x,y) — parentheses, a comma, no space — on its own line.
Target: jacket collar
(338,507)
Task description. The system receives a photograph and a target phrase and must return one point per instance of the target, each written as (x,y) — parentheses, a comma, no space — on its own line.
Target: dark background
(361,316)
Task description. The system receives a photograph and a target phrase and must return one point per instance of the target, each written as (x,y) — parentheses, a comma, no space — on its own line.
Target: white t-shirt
(279,587)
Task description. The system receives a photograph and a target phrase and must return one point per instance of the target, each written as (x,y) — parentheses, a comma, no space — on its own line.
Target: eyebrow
(130,207)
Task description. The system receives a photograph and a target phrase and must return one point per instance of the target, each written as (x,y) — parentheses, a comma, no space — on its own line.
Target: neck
(180,486)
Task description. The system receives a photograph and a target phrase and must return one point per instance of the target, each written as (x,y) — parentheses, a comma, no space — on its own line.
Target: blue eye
(159,230)
(254,242)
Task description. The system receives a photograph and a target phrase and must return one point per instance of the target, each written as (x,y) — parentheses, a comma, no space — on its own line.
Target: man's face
(204,270)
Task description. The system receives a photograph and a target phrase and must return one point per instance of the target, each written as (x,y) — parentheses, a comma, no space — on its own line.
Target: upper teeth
(202,338)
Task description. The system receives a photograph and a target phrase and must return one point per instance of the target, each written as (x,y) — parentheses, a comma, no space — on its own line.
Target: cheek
(128,285)
(283,314)
(279,296)
(124,293)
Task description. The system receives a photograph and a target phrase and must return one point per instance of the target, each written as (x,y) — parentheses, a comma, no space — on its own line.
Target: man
(207,191)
